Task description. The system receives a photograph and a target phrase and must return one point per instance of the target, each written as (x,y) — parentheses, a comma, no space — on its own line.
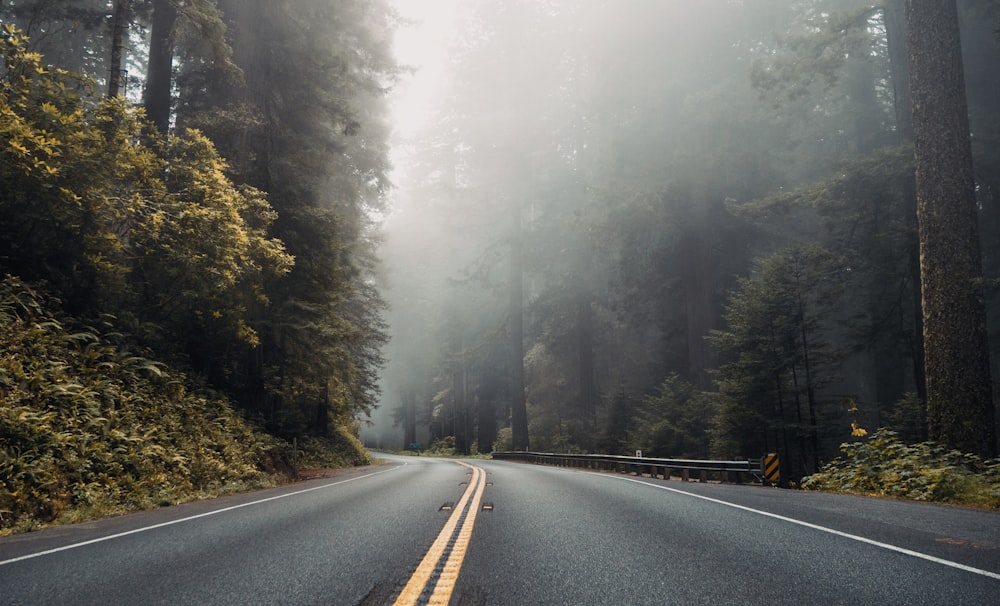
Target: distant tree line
(712,211)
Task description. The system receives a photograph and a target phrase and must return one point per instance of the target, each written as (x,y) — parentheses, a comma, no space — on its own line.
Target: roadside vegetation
(91,426)
(183,313)
(884,465)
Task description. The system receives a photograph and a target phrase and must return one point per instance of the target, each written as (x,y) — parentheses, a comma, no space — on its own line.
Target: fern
(88,427)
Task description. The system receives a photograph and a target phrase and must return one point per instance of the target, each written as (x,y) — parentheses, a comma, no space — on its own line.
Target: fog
(630,165)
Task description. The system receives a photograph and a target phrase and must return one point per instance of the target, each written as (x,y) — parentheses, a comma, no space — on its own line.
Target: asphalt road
(514,534)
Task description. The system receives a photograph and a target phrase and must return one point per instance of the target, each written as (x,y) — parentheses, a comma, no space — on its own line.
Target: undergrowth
(341,449)
(883,465)
(90,426)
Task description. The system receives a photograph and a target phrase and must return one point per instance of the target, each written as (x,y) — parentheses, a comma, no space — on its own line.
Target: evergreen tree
(306,125)
(776,358)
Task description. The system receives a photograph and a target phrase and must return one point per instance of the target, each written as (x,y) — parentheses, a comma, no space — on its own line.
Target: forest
(696,229)
(187,234)
(690,229)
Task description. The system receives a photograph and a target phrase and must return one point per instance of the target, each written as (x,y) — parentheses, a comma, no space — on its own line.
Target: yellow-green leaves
(883,465)
(201,242)
(88,426)
(97,204)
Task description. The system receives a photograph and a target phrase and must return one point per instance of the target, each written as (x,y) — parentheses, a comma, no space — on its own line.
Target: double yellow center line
(455,535)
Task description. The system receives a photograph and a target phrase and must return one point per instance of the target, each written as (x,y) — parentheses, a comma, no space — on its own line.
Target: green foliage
(153,235)
(47,158)
(121,226)
(151,231)
(442,447)
(318,149)
(908,418)
(675,421)
(201,247)
(504,441)
(90,426)
(884,465)
(773,353)
(340,449)
(617,427)
(816,59)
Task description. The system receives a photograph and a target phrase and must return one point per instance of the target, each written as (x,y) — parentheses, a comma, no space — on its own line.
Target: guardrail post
(686,474)
(703,476)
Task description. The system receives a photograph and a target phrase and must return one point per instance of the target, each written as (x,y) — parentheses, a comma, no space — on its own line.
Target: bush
(504,441)
(443,446)
(90,427)
(884,465)
(341,449)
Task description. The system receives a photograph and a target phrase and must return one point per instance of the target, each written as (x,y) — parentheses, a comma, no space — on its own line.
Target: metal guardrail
(723,471)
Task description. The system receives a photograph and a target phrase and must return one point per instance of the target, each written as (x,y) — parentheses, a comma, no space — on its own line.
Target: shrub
(504,441)
(884,465)
(443,446)
(90,427)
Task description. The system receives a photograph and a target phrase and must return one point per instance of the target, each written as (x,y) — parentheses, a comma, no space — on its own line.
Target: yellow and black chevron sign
(772,468)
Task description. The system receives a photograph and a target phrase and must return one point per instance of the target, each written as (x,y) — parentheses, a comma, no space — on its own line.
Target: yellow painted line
(415,586)
(449,576)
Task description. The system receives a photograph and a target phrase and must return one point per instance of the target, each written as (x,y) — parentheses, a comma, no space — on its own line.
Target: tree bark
(159,75)
(461,424)
(487,424)
(585,359)
(409,419)
(895,32)
(518,406)
(960,409)
(118,33)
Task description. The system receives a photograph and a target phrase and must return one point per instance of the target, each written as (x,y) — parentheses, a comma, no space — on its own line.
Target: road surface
(418,530)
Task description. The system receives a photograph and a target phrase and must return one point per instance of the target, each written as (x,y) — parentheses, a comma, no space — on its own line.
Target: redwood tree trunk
(960,410)
(518,406)
(159,76)
(118,31)
(409,419)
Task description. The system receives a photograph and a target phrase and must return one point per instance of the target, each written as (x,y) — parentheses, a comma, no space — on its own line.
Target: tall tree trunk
(119,30)
(585,359)
(487,423)
(518,406)
(699,291)
(461,422)
(409,419)
(899,70)
(159,74)
(960,410)
(895,29)
(812,429)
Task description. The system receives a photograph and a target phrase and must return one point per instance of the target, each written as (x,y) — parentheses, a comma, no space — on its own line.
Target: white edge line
(916,554)
(188,519)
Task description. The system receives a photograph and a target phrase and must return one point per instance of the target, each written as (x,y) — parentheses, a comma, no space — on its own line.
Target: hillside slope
(90,426)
